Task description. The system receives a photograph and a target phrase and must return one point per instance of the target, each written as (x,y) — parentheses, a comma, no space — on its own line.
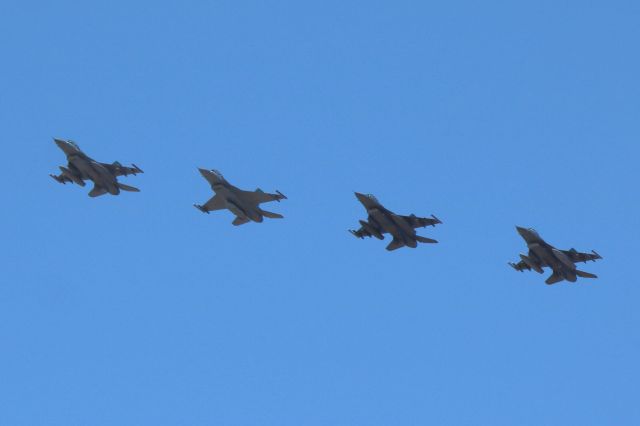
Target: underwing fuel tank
(75,179)
(530,263)
(370,229)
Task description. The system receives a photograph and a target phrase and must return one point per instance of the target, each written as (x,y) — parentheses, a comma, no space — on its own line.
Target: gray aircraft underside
(382,221)
(104,176)
(245,205)
(543,255)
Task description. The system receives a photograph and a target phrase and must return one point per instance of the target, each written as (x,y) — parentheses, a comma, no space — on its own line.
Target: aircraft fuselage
(394,225)
(94,171)
(237,207)
(548,256)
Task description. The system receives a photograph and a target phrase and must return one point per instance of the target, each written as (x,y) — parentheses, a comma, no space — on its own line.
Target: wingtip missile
(137,169)
(436,219)
(355,234)
(58,179)
(201,208)
(597,254)
(514,266)
(282,196)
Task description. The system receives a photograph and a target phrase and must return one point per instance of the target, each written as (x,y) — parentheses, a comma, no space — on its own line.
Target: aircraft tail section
(425,240)
(271,215)
(583,274)
(239,221)
(395,244)
(97,191)
(127,187)
(554,278)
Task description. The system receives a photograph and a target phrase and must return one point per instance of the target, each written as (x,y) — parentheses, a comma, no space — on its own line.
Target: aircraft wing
(421,222)
(259,196)
(367,229)
(119,170)
(215,203)
(575,256)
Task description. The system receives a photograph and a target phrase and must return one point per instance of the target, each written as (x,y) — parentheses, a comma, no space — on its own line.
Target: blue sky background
(138,309)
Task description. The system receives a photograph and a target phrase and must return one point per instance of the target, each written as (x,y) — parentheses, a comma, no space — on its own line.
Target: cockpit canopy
(372,197)
(73,144)
(217,173)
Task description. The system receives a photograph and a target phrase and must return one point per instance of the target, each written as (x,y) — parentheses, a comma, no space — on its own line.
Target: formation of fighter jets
(245,205)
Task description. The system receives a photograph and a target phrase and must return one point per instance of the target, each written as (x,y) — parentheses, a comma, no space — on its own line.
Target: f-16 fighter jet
(81,167)
(562,262)
(244,204)
(382,221)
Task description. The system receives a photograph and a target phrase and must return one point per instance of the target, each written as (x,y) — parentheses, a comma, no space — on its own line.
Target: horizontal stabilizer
(240,221)
(554,278)
(425,240)
(271,215)
(395,244)
(583,274)
(127,187)
(97,191)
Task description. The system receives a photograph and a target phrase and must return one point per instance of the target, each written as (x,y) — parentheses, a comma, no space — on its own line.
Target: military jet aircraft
(542,254)
(244,204)
(382,221)
(81,167)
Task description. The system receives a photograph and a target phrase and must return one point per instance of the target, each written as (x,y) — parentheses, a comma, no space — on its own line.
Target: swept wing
(421,222)
(259,196)
(119,170)
(575,256)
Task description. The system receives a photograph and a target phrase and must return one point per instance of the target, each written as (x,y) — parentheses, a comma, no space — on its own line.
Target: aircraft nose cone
(527,233)
(65,146)
(360,196)
(203,172)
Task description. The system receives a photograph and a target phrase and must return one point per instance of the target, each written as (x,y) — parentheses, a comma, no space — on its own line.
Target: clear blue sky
(140,310)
